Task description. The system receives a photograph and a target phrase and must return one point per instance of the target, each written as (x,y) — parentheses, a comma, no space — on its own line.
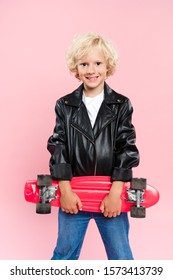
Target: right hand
(69,201)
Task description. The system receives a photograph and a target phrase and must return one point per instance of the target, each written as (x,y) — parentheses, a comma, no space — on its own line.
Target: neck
(89,92)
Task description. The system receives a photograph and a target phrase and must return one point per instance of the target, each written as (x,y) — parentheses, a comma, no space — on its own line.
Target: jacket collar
(110,96)
(104,117)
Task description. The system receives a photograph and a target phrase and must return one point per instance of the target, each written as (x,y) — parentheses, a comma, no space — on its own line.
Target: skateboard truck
(47,193)
(135,194)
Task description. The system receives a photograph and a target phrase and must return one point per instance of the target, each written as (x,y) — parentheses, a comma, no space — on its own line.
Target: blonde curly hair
(82,44)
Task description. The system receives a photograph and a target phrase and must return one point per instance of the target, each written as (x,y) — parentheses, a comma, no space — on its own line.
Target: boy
(93,136)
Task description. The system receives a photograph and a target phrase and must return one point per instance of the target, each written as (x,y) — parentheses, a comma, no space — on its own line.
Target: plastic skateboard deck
(136,196)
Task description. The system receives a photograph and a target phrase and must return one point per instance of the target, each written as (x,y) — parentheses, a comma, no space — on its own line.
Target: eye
(83,64)
(98,63)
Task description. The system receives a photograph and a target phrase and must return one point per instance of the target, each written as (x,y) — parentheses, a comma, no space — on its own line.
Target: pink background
(34,36)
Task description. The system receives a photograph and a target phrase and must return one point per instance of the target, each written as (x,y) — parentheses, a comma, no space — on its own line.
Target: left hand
(112,203)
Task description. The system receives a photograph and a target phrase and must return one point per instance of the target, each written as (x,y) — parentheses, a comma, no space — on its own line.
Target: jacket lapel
(81,122)
(108,110)
(80,119)
(104,117)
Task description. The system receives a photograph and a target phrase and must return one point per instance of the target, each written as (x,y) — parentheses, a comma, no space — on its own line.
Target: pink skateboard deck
(136,196)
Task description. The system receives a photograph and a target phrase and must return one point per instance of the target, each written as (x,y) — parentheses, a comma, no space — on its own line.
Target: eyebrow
(85,61)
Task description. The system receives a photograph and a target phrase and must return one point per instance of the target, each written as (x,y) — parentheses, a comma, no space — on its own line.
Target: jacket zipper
(95,166)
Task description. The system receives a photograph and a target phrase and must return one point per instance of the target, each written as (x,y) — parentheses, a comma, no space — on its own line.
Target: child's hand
(70,202)
(111,204)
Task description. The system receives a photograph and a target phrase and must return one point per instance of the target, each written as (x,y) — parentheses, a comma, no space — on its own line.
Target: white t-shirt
(93,105)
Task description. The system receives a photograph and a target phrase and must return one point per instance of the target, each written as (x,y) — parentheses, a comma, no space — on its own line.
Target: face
(92,71)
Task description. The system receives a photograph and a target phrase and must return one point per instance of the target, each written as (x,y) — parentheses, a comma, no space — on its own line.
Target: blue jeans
(72,229)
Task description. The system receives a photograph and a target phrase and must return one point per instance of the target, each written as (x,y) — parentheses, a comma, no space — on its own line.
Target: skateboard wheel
(44,180)
(138,184)
(137,212)
(43,208)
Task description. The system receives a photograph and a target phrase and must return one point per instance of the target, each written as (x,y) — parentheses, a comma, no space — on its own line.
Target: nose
(90,69)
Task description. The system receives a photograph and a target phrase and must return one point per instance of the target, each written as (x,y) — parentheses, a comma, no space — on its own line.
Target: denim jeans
(72,229)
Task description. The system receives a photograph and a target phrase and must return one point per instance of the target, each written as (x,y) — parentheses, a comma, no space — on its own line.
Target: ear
(107,75)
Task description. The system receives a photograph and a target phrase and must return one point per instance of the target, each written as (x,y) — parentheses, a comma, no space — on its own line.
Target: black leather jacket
(107,149)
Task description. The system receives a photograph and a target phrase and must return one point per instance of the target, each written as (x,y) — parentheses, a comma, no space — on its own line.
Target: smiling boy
(93,136)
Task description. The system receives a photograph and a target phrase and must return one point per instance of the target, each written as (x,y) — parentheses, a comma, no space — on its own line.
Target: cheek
(104,72)
(80,73)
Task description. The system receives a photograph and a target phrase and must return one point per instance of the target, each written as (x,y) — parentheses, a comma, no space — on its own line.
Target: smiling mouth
(92,79)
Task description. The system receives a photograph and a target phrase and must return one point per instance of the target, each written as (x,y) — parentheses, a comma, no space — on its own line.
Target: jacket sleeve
(126,152)
(60,168)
